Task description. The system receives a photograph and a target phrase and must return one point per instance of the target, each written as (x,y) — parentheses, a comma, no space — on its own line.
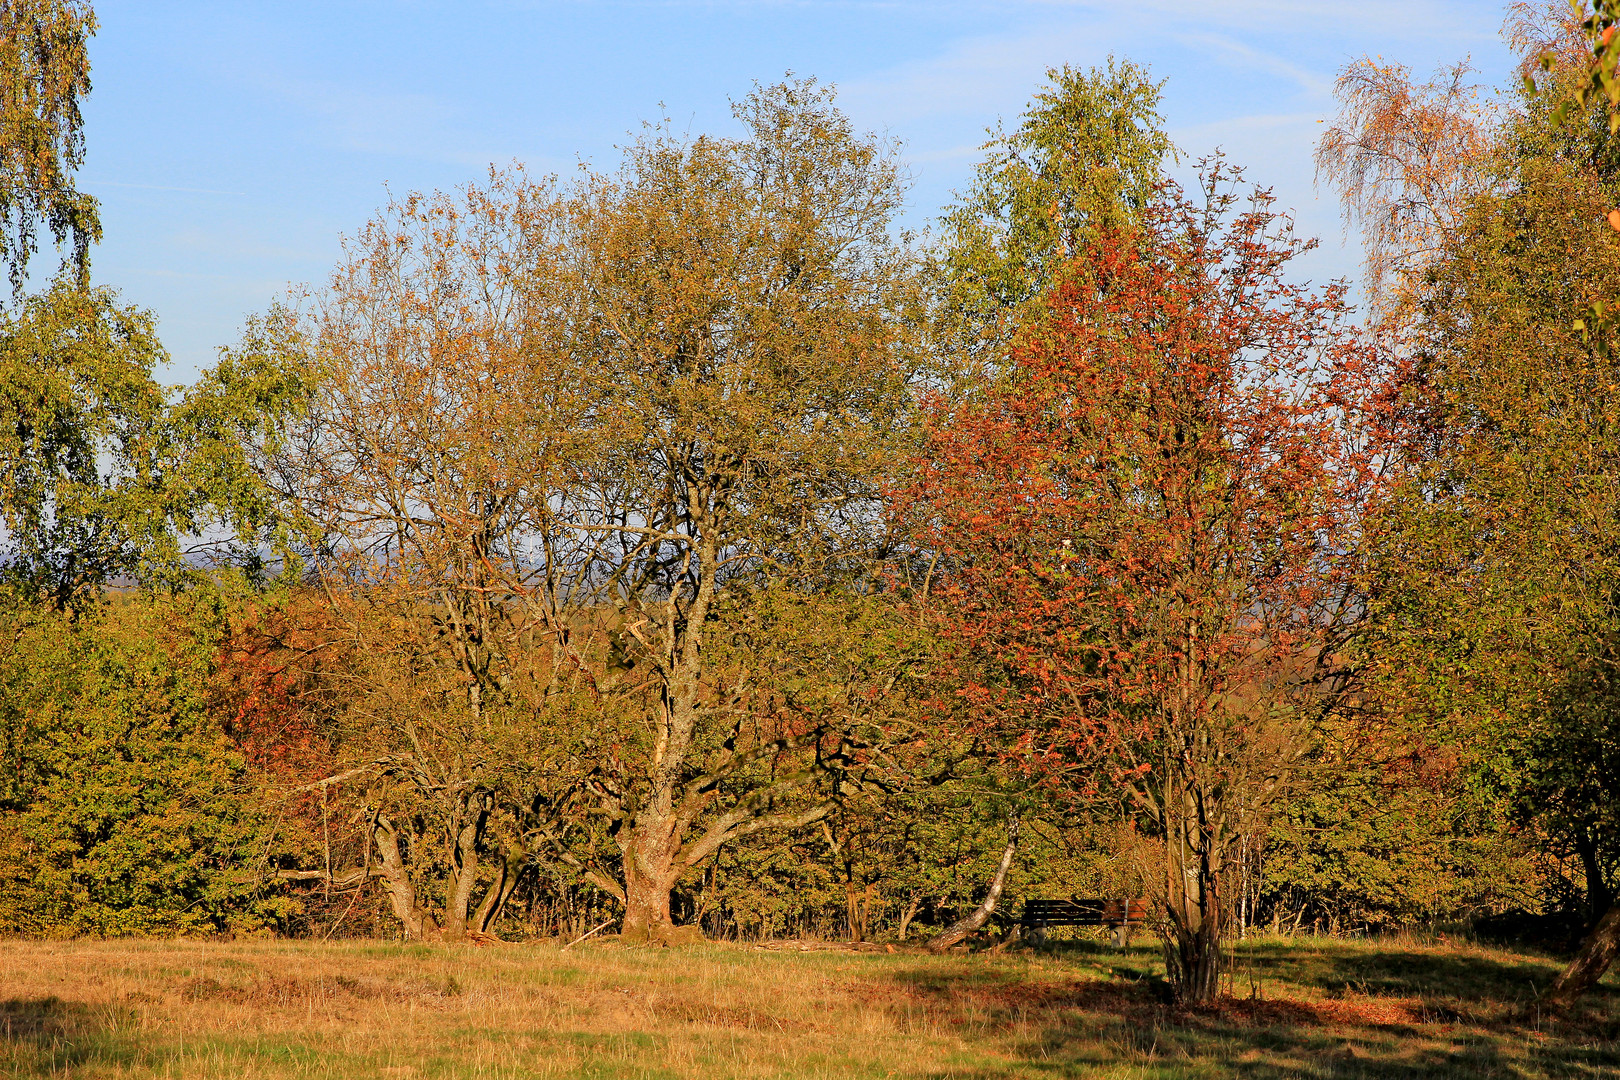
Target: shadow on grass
(1468,976)
(44,1021)
(47,1036)
(1329,1014)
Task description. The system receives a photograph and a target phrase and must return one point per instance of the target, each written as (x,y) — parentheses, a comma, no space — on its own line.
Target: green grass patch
(1316,1008)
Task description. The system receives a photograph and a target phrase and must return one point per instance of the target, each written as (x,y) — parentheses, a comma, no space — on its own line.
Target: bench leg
(1121,935)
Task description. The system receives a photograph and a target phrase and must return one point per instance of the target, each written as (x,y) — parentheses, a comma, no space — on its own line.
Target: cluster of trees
(687,547)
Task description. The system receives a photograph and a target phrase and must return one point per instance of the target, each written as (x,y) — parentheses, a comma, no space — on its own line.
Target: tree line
(687,548)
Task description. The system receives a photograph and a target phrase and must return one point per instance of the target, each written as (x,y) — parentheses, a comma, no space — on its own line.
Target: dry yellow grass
(288,1009)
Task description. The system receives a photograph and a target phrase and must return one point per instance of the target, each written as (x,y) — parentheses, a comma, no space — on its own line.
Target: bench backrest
(1087,911)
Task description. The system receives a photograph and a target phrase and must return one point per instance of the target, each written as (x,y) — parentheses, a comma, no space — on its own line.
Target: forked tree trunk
(418,922)
(654,843)
(1597,953)
(500,891)
(463,876)
(959,930)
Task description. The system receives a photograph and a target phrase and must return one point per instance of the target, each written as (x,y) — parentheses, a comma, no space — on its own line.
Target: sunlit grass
(1307,1007)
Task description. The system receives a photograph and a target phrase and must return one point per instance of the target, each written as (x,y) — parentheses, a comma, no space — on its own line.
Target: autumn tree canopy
(1148,527)
(1087,153)
(613,418)
(45,65)
(684,547)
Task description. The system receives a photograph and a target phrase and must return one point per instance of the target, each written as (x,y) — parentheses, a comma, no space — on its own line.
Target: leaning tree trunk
(959,930)
(418,922)
(1597,953)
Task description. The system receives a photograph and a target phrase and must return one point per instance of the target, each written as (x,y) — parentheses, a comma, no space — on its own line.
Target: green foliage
(212,462)
(100,476)
(124,809)
(1494,595)
(1370,848)
(1087,154)
(1597,85)
(1569,776)
(79,419)
(44,71)
(902,864)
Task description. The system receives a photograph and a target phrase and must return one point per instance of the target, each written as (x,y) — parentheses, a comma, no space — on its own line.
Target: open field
(1309,1007)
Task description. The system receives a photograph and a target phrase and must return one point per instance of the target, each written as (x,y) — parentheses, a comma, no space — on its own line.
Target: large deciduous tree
(616,418)
(1088,152)
(1147,531)
(421,472)
(1495,597)
(750,323)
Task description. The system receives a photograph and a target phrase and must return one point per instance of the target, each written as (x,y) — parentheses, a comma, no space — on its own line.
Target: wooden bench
(1118,915)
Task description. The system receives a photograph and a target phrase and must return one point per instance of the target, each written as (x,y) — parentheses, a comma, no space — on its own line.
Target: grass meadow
(1307,1007)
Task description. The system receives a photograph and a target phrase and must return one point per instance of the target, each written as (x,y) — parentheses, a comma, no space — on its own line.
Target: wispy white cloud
(1249,59)
(971,71)
(1462,20)
(998,71)
(1264,123)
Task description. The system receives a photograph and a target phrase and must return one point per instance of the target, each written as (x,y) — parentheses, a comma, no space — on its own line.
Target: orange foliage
(272,686)
(1406,158)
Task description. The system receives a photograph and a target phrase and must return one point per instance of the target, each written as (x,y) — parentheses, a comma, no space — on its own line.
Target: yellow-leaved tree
(621,425)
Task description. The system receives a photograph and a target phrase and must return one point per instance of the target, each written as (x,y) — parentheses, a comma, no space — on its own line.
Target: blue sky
(233,143)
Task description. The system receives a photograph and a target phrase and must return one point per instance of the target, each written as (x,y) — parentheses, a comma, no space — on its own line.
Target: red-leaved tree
(1146,525)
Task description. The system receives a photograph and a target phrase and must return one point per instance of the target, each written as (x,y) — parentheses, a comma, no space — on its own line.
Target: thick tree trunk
(1597,953)
(1193,961)
(959,930)
(1598,897)
(648,879)
(654,842)
(858,909)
